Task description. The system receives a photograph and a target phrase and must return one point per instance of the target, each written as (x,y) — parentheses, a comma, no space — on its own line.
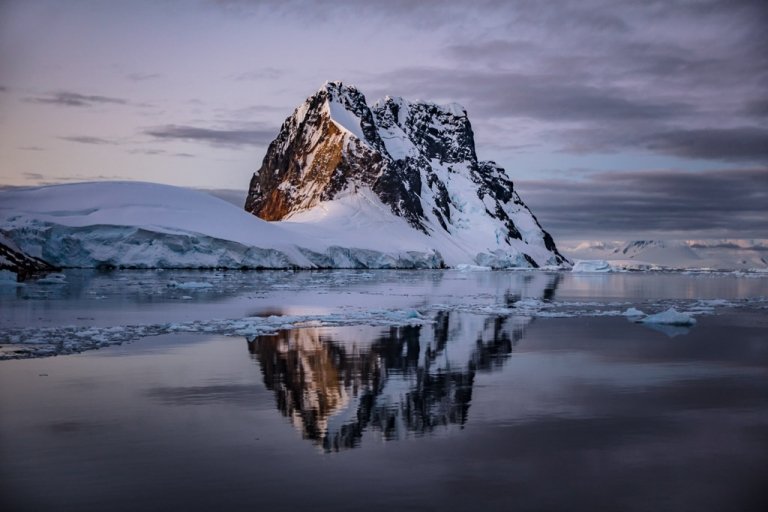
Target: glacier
(149,225)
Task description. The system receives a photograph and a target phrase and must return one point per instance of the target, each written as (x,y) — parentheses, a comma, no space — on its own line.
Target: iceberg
(591,266)
(670,317)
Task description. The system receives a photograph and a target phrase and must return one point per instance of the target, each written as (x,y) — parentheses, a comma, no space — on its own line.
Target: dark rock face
(418,158)
(22,264)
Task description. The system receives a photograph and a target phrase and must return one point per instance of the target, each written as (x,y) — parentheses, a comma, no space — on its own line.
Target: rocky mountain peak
(418,158)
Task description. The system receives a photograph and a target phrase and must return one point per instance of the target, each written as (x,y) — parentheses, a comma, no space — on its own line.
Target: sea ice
(633,313)
(53,279)
(670,317)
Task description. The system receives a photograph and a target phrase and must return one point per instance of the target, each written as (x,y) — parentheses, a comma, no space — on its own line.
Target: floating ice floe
(591,266)
(45,341)
(53,279)
(670,317)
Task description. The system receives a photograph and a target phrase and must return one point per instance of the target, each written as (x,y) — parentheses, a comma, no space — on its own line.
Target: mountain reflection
(334,383)
(405,380)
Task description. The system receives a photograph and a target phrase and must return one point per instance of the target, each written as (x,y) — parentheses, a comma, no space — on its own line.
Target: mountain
(414,161)
(344,185)
(720,254)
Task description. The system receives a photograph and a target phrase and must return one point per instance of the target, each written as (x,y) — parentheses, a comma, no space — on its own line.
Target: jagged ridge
(418,158)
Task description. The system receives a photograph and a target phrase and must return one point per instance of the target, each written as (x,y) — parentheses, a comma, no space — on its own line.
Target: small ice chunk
(53,279)
(670,317)
(633,312)
(591,266)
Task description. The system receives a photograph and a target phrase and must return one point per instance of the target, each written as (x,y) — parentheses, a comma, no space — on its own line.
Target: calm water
(469,410)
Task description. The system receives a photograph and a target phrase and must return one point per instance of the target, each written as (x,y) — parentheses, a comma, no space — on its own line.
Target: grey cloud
(147,151)
(746,143)
(583,118)
(546,97)
(716,203)
(730,245)
(757,108)
(156,152)
(87,139)
(73,99)
(606,82)
(251,136)
(266,73)
(139,77)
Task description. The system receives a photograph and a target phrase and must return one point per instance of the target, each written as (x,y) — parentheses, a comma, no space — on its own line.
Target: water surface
(464,410)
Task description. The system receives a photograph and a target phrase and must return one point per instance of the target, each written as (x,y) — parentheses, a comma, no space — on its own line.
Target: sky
(615,118)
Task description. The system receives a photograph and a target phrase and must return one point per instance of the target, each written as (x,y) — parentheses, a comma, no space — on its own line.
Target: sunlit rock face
(418,158)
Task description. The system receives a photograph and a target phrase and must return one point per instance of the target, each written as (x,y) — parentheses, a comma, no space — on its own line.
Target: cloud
(546,97)
(266,73)
(139,77)
(618,75)
(87,139)
(31,148)
(73,99)
(722,204)
(147,151)
(250,136)
(746,143)
(157,152)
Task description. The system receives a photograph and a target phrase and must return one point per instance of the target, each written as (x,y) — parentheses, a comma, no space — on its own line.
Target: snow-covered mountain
(395,185)
(148,225)
(676,254)
(335,159)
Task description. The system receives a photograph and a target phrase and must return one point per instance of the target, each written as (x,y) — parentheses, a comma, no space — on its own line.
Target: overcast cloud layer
(712,204)
(611,116)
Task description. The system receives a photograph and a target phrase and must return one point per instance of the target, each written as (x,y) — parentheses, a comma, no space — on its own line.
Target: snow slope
(146,225)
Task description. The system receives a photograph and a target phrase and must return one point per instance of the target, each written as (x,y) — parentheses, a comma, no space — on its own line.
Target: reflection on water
(401,381)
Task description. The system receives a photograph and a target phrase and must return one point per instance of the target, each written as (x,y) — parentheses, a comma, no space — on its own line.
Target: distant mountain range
(677,254)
